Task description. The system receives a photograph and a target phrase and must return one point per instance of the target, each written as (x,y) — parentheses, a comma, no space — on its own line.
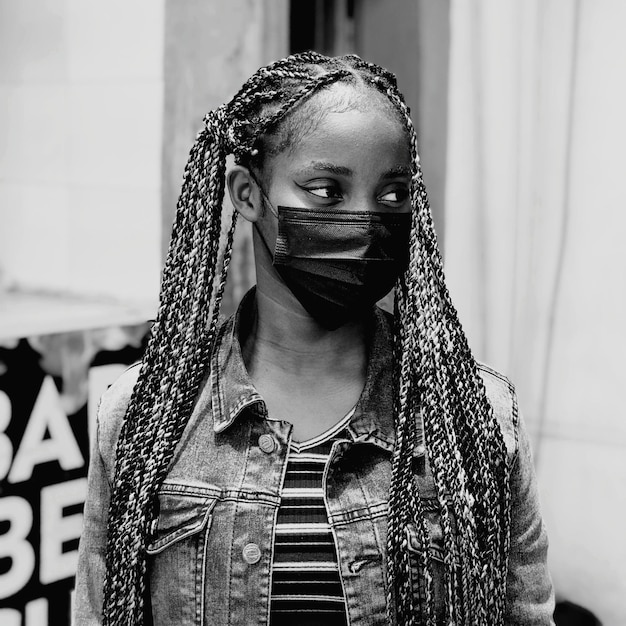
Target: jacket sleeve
(88,599)
(530,596)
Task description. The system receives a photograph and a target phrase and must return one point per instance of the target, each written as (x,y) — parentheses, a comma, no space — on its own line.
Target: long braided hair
(438,386)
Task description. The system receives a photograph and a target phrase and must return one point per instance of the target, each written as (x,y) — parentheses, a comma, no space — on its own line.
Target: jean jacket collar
(232,389)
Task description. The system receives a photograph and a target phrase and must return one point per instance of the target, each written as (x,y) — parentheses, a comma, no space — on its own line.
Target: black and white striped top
(306,588)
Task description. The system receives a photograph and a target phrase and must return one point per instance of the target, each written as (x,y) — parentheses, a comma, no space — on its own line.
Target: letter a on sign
(48,415)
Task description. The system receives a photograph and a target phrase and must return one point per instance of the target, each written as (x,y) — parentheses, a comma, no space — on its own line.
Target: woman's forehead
(350,143)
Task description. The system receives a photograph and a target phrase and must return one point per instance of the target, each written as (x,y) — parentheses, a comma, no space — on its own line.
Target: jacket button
(267,443)
(251,553)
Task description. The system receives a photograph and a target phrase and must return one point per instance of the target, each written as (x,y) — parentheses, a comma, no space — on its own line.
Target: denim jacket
(209,559)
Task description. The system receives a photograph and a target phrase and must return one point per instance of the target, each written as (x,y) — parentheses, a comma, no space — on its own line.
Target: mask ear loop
(266,200)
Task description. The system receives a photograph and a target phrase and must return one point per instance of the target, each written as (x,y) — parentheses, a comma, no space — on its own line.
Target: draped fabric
(535,223)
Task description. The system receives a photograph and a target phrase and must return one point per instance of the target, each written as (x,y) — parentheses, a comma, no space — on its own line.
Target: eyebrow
(325,166)
(400,170)
(340,170)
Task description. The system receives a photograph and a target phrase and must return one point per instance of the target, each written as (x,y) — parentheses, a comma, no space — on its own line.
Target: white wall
(81,102)
(535,225)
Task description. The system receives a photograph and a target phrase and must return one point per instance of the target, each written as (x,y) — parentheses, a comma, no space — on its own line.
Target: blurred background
(520,108)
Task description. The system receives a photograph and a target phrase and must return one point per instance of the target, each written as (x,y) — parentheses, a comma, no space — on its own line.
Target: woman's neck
(280,339)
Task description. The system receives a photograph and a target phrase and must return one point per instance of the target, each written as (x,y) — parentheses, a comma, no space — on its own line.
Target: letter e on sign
(56,529)
(14,546)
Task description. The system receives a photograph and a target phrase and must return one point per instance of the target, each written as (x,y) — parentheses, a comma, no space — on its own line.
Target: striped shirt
(306,588)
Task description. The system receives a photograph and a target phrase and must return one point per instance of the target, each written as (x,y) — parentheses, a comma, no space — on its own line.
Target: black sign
(49,390)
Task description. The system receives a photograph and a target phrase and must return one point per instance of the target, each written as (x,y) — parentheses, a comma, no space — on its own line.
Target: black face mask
(338,264)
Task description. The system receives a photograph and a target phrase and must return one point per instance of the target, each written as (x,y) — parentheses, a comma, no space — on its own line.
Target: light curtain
(535,224)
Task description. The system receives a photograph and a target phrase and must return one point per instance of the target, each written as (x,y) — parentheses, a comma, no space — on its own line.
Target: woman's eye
(395,196)
(326,192)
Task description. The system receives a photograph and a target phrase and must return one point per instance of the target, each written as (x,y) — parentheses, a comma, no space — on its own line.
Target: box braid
(437,382)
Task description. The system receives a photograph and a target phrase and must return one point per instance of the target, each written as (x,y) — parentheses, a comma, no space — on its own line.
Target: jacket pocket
(180,516)
(177,557)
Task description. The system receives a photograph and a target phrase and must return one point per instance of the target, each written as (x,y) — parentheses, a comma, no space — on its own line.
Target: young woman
(312,460)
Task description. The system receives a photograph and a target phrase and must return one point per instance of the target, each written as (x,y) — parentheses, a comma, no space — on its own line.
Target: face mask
(338,264)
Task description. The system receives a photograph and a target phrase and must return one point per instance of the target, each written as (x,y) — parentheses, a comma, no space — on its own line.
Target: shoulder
(501,395)
(111,412)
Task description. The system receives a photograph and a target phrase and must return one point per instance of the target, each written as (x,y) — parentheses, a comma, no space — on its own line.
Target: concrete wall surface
(80,134)
(211,48)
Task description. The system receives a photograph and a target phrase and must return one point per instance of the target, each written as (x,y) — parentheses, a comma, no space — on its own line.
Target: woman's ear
(244,193)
